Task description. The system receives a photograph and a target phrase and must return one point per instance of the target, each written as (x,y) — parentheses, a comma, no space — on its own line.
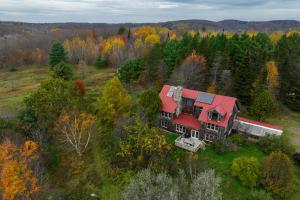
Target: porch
(190,143)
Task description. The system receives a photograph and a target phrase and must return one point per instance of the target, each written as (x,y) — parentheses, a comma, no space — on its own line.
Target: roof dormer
(217,113)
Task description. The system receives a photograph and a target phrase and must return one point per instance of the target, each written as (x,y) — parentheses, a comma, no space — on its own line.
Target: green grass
(15,86)
(231,187)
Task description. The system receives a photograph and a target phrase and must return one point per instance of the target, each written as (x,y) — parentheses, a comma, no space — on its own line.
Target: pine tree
(57,54)
(63,70)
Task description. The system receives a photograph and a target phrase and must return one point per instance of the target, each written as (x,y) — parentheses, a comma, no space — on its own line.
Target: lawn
(15,86)
(231,186)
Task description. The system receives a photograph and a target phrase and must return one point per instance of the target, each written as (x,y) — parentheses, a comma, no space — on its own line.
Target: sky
(137,11)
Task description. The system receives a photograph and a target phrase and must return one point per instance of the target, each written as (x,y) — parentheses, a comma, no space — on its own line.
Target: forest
(84,124)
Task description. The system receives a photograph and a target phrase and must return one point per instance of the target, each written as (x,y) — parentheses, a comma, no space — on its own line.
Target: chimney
(178,99)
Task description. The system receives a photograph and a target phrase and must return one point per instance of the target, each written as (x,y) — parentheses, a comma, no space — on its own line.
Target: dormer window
(213,115)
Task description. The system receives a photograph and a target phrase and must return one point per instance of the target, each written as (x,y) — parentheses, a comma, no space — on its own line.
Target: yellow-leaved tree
(273,77)
(75,129)
(17,180)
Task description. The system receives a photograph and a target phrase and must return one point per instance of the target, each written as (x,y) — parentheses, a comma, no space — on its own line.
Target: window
(164,124)
(209,137)
(166,115)
(212,127)
(195,133)
(180,128)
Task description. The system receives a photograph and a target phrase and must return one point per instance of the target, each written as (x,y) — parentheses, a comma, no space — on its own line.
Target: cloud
(114,11)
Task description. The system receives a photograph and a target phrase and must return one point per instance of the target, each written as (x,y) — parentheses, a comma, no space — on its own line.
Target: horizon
(142,11)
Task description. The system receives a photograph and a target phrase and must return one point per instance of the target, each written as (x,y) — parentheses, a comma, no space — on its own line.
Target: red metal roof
(168,104)
(273,126)
(187,120)
(224,104)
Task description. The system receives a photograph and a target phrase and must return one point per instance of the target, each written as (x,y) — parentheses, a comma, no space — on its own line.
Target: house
(201,117)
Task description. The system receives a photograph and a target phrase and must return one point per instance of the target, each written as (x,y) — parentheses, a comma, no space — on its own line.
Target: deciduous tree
(75,129)
(277,173)
(247,170)
(113,102)
(16,178)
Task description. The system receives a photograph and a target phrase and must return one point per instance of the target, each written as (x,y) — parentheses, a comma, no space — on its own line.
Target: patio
(190,144)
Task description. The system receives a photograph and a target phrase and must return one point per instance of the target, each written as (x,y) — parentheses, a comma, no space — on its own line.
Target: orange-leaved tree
(16,177)
(76,129)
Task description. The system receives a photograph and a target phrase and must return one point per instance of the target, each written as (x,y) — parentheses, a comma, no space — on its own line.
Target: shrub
(100,63)
(271,143)
(277,173)
(13,69)
(222,146)
(246,169)
(239,140)
(63,70)
(259,195)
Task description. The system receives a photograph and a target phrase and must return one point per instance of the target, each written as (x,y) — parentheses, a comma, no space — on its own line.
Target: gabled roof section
(219,109)
(223,104)
(168,103)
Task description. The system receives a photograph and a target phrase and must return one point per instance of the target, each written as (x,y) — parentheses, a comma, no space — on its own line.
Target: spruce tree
(57,54)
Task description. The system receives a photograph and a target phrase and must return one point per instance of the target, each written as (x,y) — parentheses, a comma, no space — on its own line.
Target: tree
(151,103)
(57,54)
(121,30)
(16,177)
(75,129)
(206,186)
(131,70)
(172,56)
(113,49)
(113,102)
(146,185)
(50,99)
(192,73)
(277,173)
(293,96)
(100,63)
(270,143)
(63,70)
(288,51)
(143,146)
(263,106)
(259,195)
(247,170)
(273,77)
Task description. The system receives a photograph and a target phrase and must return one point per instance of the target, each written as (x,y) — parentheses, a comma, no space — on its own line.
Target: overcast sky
(115,11)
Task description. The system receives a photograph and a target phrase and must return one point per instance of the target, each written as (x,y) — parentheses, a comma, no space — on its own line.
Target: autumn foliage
(16,177)
(75,129)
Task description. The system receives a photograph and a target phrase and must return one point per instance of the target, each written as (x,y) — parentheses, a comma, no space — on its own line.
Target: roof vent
(205,97)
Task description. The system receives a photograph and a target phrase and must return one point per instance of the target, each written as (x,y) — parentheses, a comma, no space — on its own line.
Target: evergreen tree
(172,57)
(131,70)
(288,55)
(57,54)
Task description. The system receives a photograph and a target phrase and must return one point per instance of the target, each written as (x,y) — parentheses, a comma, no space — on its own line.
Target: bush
(13,69)
(222,146)
(240,140)
(271,143)
(131,70)
(100,63)
(246,169)
(277,173)
(63,70)
(259,195)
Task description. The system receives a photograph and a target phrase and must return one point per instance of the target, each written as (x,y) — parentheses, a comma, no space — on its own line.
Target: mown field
(15,86)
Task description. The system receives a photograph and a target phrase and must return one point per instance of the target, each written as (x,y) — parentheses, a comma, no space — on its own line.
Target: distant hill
(8,28)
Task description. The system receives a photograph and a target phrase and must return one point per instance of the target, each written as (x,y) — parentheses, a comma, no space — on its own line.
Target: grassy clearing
(231,186)
(15,86)
(291,124)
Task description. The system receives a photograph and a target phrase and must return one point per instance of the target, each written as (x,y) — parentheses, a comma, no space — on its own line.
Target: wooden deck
(190,144)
